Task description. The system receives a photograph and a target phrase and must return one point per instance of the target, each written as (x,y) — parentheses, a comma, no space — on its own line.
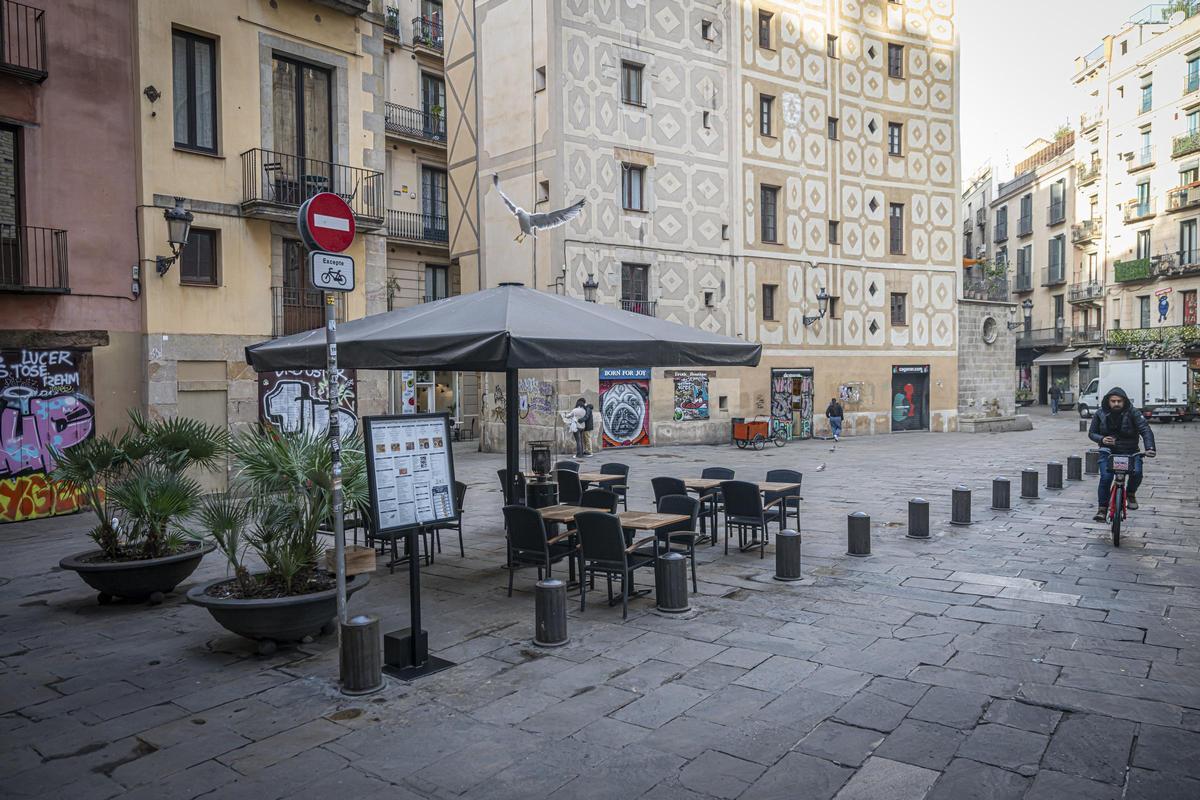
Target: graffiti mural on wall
(625,407)
(536,401)
(298,400)
(43,411)
(691,395)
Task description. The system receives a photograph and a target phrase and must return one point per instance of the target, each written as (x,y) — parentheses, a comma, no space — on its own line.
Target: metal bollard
(1001,490)
(918,518)
(1084,425)
(858,535)
(550,613)
(960,506)
(1029,484)
(787,556)
(1054,474)
(1091,462)
(1074,468)
(361,655)
(670,583)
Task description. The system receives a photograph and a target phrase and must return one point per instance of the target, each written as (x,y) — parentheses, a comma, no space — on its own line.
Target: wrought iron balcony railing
(1177,264)
(1142,158)
(413,123)
(427,33)
(1086,173)
(981,217)
(1135,210)
(1001,234)
(1185,144)
(274,184)
(1044,337)
(1086,230)
(1087,336)
(1019,182)
(1024,281)
(994,289)
(1056,213)
(1121,338)
(1137,269)
(967,226)
(33,260)
(1090,119)
(646,307)
(296,310)
(391,22)
(413,226)
(1182,197)
(1025,224)
(1054,275)
(23,41)
(1085,292)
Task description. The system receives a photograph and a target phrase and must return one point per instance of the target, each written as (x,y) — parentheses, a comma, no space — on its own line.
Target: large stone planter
(282,619)
(147,578)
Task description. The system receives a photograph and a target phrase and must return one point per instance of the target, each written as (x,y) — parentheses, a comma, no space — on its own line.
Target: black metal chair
(602,499)
(791,498)
(681,533)
(503,474)
(460,496)
(566,464)
(528,544)
(622,488)
(570,490)
(372,536)
(712,499)
(744,510)
(665,486)
(602,549)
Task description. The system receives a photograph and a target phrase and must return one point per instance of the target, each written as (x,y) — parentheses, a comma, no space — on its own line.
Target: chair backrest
(600,498)
(570,490)
(678,504)
(666,486)
(503,473)
(719,473)
(525,528)
(614,468)
(460,496)
(742,498)
(573,466)
(784,476)
(600,537)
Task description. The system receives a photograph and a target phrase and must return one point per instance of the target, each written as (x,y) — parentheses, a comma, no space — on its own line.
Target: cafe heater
(541,455)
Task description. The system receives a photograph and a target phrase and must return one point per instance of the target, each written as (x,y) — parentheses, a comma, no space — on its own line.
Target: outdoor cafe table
(599,477)
(702,485)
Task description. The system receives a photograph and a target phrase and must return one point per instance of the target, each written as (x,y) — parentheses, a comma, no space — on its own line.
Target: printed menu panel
(410,470)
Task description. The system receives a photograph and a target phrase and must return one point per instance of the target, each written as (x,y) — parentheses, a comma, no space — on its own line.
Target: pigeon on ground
(532,223)
(821,467)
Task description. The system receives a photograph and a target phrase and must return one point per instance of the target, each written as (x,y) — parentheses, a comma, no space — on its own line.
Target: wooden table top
(600,477)
(704,484)
(639,520)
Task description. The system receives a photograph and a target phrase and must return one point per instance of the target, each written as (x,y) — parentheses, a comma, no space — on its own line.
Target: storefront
(910,397)
(792,402)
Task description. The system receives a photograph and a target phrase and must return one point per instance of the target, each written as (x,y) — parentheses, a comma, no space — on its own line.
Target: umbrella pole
(512,435)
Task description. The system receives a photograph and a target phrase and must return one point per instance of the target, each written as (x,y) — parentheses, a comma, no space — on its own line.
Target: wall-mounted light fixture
(179,225)
(589,288)
(1027,306)
(822,307)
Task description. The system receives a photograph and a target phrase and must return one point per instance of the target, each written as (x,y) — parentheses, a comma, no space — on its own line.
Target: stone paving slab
(1020,657)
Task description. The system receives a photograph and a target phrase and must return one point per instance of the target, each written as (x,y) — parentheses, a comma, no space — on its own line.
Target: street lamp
(1027,305)
(822,307)
(589,288)
(179,225)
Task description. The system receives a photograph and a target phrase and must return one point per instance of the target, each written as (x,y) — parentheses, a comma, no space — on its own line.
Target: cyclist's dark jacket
(1125,426)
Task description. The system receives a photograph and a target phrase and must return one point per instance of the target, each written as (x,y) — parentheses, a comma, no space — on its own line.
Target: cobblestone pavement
(1020,657)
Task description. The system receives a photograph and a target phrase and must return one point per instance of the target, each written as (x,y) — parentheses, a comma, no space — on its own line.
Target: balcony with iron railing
(1191,81)
(1185,144)
(412,226)
(1090,119)
(1001,234)
(1087,173)
(415,124)
(1090,292)
(23,41)
(967,226)
(1016,184)
(1183,197)
(1087,337)
(1175,265)
(981,218)
(1056,213)
(1140,159)
(1054,275)
(33,260)
(1024,281)
(1044,337)
(296,310)
(645,307)
(1134,210)
(1086,231)
(427,35)
(993,289)
(1137,269)
(391,22)
(1025,225)
(275,184)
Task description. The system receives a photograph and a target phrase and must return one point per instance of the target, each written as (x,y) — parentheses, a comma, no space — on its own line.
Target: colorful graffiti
(535,399)
(792,402)
(625,407)
(298,400)
(691,395)
(43,411)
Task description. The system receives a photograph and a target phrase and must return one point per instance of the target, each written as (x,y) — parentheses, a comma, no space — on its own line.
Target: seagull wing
(513,207)
(552,219)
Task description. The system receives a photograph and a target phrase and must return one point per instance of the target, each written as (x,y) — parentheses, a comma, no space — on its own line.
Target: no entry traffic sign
(326,223)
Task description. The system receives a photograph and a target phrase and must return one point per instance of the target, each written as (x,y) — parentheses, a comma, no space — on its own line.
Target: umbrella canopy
(508,327)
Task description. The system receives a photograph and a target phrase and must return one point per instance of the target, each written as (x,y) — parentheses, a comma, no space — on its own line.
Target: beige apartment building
(739,161)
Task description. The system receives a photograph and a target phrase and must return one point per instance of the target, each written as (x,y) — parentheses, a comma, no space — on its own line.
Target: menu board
(410,470)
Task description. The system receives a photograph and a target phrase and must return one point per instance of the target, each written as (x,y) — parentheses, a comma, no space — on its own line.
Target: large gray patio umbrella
(507,329)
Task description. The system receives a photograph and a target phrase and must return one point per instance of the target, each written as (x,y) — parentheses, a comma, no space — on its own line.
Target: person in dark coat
(589,424)
(1055,398)
(1116,427)
(835,414)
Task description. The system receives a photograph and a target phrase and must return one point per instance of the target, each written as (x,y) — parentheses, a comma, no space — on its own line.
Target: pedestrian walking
(1055,397)
(589,424)
(834,413)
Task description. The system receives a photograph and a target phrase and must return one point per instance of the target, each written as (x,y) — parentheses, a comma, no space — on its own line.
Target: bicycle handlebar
(1139,453)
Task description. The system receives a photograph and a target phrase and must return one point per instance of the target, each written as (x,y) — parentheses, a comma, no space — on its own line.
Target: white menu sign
(410,470)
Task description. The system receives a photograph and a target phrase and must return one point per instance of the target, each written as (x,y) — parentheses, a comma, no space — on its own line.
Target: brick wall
(987,372)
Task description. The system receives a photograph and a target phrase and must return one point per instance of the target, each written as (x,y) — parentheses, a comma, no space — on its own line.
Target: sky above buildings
(1017,61)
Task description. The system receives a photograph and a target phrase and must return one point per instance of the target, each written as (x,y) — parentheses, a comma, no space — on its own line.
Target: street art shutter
(293,401)
(625,407)
(691,395)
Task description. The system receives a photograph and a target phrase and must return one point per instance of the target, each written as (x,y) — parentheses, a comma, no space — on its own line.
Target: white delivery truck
(1159,387)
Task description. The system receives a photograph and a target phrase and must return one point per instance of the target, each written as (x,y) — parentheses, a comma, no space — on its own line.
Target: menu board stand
(410,476)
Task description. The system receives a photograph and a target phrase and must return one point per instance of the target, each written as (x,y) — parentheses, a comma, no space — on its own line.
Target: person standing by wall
(835,414)
(589,424)
(574,419)
(1055,393)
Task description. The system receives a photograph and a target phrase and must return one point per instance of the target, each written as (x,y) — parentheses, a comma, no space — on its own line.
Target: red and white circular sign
(326,223)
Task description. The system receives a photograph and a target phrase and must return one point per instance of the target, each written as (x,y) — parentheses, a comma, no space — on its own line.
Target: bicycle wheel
(741,443)
(759,441)
(780,439)
(1116,508)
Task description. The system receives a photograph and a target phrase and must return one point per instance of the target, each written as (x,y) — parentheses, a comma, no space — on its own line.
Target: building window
(831,45)
(1055,257)
(1124,47)
(896,221)
(1193,74)
(543,192)
(302,113)
(437,286)
(832,127)
(1193,121)
(899,308)
(1147,98)
(706,30)
(194,86)
(895,138)
(631,83)
(704,119)
(1143,199)
(198,261)
(764,29)
(895,61)
(768,302)
(765,104)
(1002,255)
(539,79)
(1058,202)
(1144,311)
(835,311)
(1187,243)
(1025,221)
(633,185)
(834,232)
(635,288)
(1189,307)
(1143,244)
(768,200)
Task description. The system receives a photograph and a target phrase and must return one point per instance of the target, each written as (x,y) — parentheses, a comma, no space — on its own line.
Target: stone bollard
(858,535)
(670,583)
(1074,468)
(361,656)
(1001,490)
(1084,425)
(918,518)
(787,556)
(1091,462)
(1054,474)
(1029,484)
(960,506)
(550,613)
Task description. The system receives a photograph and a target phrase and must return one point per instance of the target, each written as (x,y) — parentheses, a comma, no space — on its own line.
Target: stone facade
(986,366)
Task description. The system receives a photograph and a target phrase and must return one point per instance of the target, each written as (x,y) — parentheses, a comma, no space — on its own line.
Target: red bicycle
(1120,466)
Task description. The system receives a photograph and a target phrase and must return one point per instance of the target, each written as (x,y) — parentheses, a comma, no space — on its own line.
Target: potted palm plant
(139,487)
(280,500)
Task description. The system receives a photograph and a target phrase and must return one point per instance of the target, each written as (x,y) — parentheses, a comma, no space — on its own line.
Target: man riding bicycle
(1116,427)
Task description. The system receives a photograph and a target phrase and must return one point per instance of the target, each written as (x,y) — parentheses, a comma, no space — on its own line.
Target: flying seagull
(532,223)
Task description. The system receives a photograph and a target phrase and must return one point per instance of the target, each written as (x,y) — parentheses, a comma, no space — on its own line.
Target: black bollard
(1001,489)
(1029,484)
(361,655)
(550,613)
(960,506)
(787,556)
(1091,462)
(918,518)
(1084,425)
(858,535)
(1074,468)
(670,583)
(1054,475)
